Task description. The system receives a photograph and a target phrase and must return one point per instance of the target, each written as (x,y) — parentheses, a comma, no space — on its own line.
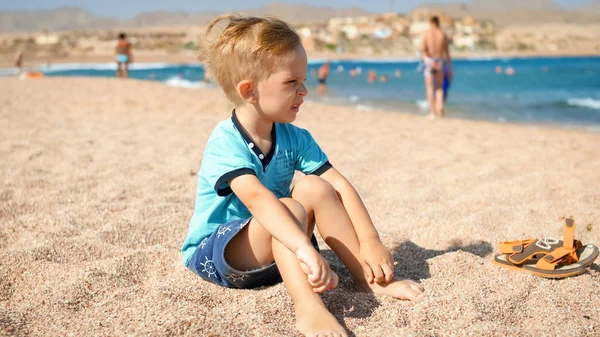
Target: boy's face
(282,92)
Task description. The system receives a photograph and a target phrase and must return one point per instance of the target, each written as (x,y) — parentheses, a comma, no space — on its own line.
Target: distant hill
(493,5)
(518,12)
(503,13)
(56,19)
(70,18)
(592,7)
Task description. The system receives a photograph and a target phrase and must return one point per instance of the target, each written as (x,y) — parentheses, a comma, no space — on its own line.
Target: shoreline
(6,61)
(407,108)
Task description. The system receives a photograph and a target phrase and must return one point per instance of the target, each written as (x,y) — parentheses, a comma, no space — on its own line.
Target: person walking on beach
(436,56)
(250,227)
(19,58)
(124,56)
(324,71)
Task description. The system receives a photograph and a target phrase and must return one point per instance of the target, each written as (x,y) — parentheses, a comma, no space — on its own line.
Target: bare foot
(313,319)
(400,289)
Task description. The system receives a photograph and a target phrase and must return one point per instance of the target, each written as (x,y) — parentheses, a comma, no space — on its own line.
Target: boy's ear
(246,90)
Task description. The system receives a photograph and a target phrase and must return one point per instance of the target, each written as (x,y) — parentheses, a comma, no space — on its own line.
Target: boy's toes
(417,287)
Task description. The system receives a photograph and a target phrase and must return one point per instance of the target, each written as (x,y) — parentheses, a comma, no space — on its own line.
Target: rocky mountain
(55,19)
(503,13)
(517,12)
(69,18)
(592,7)
(491,5)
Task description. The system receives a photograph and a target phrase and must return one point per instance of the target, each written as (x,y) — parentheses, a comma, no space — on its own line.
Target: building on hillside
(46,39)
(465,42)
(335,24)
(308,39)
(399,24)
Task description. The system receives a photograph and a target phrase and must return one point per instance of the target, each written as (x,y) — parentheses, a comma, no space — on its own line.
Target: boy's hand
(377,262)
(320,275)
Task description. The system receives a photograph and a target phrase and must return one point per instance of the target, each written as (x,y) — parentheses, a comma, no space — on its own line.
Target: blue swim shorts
(122,58)
(208,261)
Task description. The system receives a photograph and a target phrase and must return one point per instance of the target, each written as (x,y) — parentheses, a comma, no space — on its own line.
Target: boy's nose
(303,91)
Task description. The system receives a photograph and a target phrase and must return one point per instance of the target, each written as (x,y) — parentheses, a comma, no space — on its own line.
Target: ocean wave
(98,66)
(585,103)
(364,107)
(383,60)
(422,104)
(183,83)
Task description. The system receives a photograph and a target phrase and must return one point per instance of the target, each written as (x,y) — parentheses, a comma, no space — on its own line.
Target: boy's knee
(297,210)
(315,187)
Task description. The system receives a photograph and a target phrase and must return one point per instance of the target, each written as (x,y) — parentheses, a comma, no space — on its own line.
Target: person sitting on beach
(324,71)
(436,55)
(250,228)
(124,56)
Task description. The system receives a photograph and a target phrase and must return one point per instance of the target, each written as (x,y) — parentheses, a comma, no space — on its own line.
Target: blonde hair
(247,48)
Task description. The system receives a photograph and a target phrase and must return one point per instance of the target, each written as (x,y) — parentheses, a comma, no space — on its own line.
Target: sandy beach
(97,185)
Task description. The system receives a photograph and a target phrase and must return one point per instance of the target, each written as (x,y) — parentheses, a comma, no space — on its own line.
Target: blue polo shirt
(229,153)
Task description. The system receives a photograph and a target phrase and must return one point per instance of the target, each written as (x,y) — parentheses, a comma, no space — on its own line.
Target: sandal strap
(569,229)
(539,248)
(516,246)
(560,254)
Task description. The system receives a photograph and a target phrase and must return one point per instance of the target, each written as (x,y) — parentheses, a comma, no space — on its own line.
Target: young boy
(248,229)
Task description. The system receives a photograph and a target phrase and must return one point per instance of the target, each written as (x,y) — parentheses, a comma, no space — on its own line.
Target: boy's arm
(376,260)
(274,216)
(269,211)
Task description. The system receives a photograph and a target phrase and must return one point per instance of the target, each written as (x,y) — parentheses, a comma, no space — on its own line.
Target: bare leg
(430,94)
(126,70)
(322,89)
(439,94)
(324,206)
(119,72)
(254,247)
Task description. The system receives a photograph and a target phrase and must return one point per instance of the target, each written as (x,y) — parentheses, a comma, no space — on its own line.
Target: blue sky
(129,8)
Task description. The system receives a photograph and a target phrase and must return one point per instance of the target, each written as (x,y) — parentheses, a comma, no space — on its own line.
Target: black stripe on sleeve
(326,166)
(228,176)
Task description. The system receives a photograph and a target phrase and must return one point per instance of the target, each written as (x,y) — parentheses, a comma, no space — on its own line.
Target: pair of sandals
(548,257)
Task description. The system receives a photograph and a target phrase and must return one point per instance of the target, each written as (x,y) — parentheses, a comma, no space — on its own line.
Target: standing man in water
(436,56)
(324,71)
(124,57)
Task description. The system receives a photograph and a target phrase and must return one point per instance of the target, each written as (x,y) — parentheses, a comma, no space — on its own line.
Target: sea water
(561,91)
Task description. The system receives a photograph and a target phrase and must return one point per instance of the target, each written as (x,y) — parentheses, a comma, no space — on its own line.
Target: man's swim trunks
(122,58)
(432,65)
